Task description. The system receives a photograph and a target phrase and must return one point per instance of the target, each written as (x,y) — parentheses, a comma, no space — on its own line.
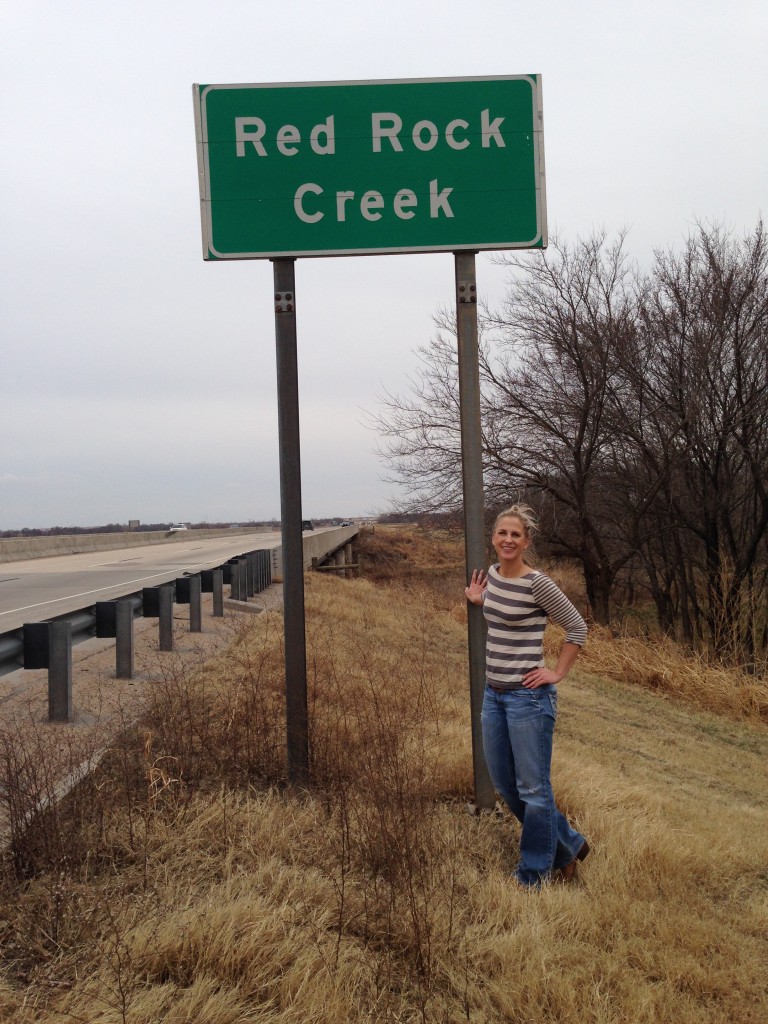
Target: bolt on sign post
(303,169)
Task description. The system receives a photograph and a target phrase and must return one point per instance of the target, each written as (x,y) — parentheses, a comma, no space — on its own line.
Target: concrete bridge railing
(17,549)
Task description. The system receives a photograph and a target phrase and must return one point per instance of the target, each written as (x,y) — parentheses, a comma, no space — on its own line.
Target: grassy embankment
(184,882)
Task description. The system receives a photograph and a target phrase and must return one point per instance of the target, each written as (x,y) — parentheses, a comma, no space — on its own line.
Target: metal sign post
(474,505)
(290,505)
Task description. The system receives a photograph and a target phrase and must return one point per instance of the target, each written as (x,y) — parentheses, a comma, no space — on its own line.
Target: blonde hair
(526,516)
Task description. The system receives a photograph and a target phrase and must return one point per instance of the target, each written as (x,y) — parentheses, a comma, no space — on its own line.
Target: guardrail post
(195,605)
(165,610)
(150,602)
(250,574)
(234,581)
(60,671)
(242,565)
(37,642)
(105,619)
(258,581)
(218,593)
(124,639)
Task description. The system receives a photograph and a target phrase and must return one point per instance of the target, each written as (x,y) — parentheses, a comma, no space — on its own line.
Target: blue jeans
(518,727)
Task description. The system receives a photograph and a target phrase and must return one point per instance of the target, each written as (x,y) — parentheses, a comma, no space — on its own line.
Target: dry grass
(656,663)
(199,888)
(664,666)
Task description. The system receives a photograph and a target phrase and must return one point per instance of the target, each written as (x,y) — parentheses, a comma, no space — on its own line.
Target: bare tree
(633,409)
(548,368)
(705,354)
(420,432)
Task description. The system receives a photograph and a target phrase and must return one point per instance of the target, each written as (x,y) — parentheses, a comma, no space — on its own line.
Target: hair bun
(524,513)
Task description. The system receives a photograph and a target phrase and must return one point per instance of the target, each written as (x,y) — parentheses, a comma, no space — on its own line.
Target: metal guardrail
(50,641)
(29,646)
(43,644)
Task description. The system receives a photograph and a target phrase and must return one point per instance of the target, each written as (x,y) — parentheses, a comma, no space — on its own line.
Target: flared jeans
(518,727)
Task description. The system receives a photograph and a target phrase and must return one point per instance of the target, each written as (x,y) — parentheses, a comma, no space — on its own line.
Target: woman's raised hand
(474,592)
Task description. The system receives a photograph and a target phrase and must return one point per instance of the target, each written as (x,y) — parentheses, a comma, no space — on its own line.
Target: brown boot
(568,871)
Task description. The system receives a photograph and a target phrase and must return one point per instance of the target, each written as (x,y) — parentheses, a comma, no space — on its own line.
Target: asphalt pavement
(43,588)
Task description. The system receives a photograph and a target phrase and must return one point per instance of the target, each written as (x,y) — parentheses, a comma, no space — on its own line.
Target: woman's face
(509,539)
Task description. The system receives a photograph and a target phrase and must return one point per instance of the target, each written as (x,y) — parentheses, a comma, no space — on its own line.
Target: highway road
(43,588)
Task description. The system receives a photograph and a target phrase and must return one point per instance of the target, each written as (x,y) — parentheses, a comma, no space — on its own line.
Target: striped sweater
(516,612)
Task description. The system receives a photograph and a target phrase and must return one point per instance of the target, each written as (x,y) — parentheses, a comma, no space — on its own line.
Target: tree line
(630,408)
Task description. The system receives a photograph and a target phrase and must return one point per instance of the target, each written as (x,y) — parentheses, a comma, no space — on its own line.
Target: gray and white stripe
(516,612)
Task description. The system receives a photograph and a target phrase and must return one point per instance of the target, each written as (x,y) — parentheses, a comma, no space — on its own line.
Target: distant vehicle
(346,524)
(307,524)
(234,526)
(176,527)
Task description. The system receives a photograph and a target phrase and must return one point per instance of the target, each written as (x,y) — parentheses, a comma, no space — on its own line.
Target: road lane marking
(120,561)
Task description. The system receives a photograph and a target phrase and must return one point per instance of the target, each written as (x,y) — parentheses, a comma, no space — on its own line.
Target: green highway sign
(348,168)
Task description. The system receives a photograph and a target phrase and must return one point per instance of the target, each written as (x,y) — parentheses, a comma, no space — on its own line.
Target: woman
(520,701)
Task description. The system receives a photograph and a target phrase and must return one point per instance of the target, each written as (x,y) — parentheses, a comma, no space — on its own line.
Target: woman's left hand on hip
(539,677)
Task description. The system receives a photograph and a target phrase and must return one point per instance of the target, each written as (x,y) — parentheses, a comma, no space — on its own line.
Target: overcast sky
(138,381)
